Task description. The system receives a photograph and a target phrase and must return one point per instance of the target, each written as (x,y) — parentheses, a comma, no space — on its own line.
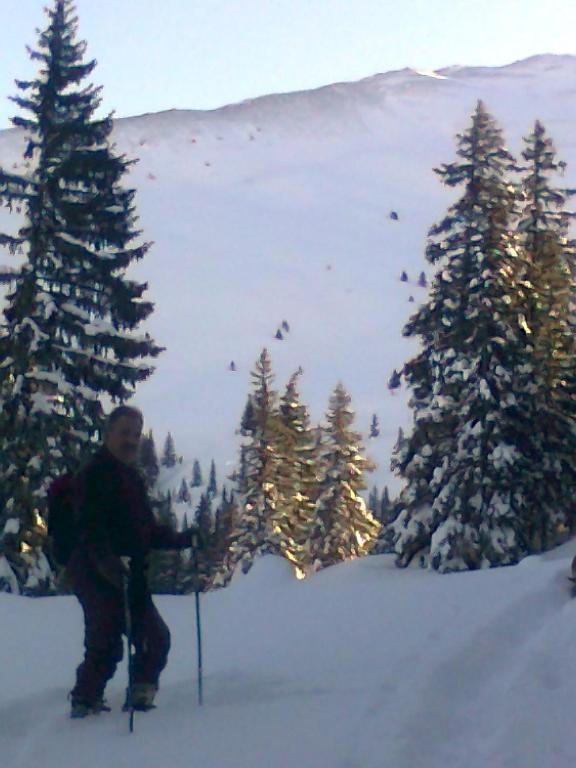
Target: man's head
(123,433)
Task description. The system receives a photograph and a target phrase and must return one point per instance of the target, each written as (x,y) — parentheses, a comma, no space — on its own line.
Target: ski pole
(198,624)
(128,623)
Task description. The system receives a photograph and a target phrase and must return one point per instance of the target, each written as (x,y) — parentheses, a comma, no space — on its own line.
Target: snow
(278,208)
(359,666)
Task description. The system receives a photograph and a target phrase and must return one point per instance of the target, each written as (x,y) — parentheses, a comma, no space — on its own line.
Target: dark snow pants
(104,621)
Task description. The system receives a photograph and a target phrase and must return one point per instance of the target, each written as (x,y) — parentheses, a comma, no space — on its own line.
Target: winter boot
(81,708)
(142,698)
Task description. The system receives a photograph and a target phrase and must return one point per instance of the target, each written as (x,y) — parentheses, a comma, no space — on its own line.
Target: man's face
(123,439)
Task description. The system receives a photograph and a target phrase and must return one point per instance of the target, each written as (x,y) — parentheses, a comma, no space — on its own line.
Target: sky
(202,54)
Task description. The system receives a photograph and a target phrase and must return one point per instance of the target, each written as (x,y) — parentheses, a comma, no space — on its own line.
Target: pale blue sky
(201,54)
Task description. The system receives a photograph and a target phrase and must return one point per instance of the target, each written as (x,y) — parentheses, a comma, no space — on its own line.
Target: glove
(113,570)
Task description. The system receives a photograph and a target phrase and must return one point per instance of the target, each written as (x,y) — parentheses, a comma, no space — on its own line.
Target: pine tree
(212,485)
(69,337)
(197,480)
(374,426)
(257,488)
(148,460)
(374,502)
(165,565)
(248,423)
(344,528)
(184,493)
(468,462)
(225,523)
(395,380)
(549,314)
(294,515)
(169,452)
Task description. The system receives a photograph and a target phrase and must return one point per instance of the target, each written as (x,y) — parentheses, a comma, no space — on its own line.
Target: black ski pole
(198,624)
(128,623)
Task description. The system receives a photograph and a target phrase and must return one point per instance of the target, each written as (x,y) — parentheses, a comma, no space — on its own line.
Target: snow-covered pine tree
(183,496)
(468,463)
(294,515)
(257,489)
(543,234)
(69,331)
(169,452)
(344,528)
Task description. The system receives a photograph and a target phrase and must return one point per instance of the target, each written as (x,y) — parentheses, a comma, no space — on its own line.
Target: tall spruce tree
(69,336)
(344,528)
(543,235)
(294,516)
(468,464)
(257,487)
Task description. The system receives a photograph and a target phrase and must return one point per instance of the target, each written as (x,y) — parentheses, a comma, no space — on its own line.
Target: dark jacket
(115,517)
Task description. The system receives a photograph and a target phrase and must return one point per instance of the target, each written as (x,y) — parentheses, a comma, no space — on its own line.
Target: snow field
(359,666)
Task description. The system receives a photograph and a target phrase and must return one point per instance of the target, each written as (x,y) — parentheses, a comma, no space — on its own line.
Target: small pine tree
(212,485)
(148,460)
(183,496)
(374,502)
(394,380)
(344,528)
(197,479)
(374,426)
(169,452)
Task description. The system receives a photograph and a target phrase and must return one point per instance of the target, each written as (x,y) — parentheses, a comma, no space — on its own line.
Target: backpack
(62,518)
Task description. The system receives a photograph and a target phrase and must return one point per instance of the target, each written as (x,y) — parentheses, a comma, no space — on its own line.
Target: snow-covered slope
(279,209)
(359,666)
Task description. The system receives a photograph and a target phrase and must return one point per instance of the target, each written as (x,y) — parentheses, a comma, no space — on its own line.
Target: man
(115,521)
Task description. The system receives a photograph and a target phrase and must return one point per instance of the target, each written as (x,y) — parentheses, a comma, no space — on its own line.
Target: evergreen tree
(148,460)
(248,423)
(257,488)
(374,426)
(169,453)
(395,380)
(374,503)
(69,336)
(184,493)
(468,463)
(165,565)
(212,485)
(294,515)
(225,523)
(196,474)
(550,299)
(344,528)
